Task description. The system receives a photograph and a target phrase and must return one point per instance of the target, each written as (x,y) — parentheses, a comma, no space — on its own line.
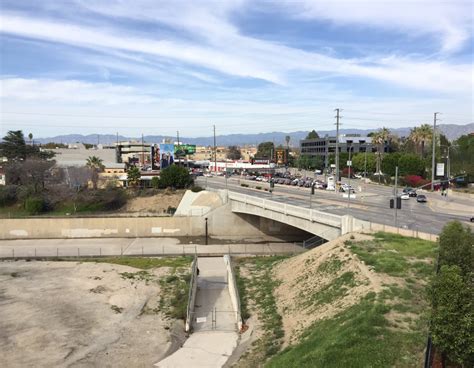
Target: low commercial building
(326,146)
(136,152)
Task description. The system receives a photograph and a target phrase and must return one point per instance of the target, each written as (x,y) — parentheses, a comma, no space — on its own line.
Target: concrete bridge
(322,224)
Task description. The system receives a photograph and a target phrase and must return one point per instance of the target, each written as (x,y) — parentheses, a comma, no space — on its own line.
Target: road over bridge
(321,224)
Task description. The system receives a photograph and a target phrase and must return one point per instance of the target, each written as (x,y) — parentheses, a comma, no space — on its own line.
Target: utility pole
(177,142)
(433,159)
(395,196)
(326,159)
(143,152)
(337,146)
(349,173)
(215,150)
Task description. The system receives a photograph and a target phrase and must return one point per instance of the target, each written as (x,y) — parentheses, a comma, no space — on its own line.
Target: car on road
(472,219)
(421,198)
(405,196)
(346,188)
(412,193)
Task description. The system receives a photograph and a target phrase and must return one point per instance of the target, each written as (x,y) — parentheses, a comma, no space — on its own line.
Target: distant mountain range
(452,131)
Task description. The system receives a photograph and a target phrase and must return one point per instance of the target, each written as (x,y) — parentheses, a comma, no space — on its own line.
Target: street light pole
(349,175)
(433,143)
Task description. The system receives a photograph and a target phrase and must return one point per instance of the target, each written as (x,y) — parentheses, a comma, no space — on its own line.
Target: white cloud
(248,57)
(71,91)
(448,20)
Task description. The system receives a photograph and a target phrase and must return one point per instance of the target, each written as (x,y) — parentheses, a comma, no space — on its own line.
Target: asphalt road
(371,203)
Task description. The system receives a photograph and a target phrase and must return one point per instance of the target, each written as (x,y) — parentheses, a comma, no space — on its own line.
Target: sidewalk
(96,247)
(439,203)
(215,336)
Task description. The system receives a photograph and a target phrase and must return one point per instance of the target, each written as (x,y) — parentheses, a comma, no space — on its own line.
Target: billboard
(184,149)
(155,156)
(166,155)
(281,156)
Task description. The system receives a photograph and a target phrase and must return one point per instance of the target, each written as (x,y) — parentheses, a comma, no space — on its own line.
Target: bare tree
(31,172)
(77,177)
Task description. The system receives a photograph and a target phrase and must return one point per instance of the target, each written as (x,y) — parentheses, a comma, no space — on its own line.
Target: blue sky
(152,67)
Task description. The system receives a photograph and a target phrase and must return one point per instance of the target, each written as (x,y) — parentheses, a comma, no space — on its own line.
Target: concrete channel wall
(192,296)
(101,227)
(360,225)
(233,291)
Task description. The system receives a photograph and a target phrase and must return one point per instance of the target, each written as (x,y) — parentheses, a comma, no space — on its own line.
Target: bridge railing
(288,209)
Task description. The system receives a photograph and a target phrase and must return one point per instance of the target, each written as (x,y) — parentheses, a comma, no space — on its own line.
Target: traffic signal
(399,203)
(312,189)
(272,184)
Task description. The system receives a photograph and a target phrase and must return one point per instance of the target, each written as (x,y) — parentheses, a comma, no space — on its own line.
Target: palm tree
(379,138)
(421,136)
(96,166)
(31,137)
(287,140)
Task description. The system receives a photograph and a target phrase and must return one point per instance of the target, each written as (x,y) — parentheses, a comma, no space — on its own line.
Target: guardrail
(191,295)
(288,209)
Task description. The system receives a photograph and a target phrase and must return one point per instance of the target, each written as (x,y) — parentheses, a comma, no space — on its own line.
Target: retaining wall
(360,225)
(192,296)
(233,291)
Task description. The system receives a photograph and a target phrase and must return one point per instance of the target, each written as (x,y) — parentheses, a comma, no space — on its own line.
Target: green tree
(265,150)
(411,164)
(309,162)
(456,246)
(175,177)
(453,314)
(96,166)
(312,135)
(233,153)
(14,147)
(358,162)
(155,182)
(133,176)
(462,156)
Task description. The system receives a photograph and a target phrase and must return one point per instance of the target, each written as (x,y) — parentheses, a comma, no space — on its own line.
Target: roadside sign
(349,163)
(440,169)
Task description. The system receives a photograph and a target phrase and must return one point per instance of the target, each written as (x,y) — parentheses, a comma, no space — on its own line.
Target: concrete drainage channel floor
(215,329)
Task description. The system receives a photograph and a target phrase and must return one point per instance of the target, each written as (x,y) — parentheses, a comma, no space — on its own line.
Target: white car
(405,196)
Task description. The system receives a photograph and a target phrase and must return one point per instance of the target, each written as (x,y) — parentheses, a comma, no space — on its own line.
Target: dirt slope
(320,283)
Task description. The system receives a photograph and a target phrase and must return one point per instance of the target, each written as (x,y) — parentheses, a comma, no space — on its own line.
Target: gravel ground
(69,314)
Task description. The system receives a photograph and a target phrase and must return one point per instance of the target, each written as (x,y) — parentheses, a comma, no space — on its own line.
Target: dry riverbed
(71,314)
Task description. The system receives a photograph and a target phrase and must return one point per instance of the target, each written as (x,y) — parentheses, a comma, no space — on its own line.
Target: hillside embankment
(356,301)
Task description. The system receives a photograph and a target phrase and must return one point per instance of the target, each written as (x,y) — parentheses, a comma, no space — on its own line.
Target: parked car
(421,198)
(319,185)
